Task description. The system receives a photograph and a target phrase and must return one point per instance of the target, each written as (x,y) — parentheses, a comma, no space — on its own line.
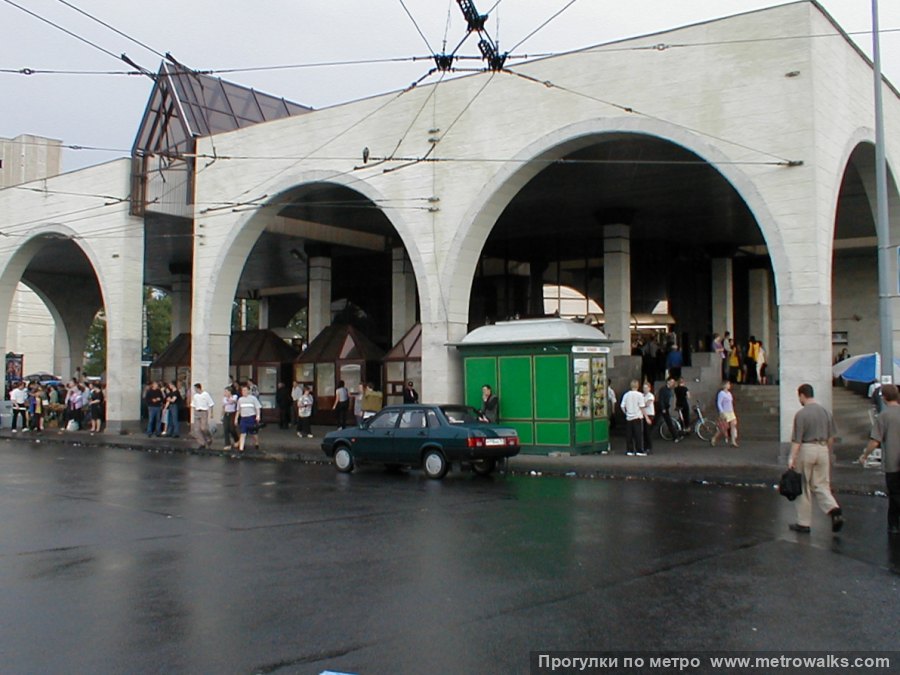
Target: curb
(526,465)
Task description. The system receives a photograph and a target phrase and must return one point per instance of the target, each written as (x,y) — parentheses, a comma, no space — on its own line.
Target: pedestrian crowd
(741,364)
(38,407)
(241,413)
(645,410)
(166,405)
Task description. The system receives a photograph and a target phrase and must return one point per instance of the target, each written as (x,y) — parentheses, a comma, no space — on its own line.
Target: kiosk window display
(258,355)
(340,352)
(402,364)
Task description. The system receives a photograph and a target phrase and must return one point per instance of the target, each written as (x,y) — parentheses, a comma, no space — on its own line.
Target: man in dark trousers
(633,406)
(811,443)
(683,405)
(154,400)
(886,435)
(664,402)
(284,402)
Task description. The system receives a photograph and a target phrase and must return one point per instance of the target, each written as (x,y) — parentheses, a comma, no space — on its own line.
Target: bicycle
(704,428)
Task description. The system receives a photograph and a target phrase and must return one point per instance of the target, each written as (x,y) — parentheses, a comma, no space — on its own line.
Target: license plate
(494,441)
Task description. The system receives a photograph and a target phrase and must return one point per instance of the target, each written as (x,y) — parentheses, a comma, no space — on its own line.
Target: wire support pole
(882,226)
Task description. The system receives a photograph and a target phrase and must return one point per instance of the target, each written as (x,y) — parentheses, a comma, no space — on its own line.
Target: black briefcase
(790,485)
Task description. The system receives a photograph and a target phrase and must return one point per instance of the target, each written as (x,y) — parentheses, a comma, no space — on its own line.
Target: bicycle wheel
(664,432)
(705,429)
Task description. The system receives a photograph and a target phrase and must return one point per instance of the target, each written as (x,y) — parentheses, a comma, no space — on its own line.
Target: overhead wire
(427,156)
(419,30)
(7,229)
(447,130)
(112,28)
(542,26)
(64,30)
(339,135)
(431,94)
(600,49)
(49,191)
(447,26)
(496,4)
(92,148)
(316,64)
(505,160)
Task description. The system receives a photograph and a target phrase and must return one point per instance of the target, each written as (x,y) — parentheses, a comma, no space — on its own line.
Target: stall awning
(409,348)
(247,347)
(341,342)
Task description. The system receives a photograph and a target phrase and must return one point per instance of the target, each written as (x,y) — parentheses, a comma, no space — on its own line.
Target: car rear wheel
(484,467)
(434,464)
(343,460)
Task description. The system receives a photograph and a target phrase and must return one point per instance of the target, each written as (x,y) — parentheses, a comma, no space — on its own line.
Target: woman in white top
(249,412)
(229,408)
(304,413)
(761,377)
(649,416)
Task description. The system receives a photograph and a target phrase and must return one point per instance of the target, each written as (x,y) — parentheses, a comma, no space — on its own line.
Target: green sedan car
(427,436)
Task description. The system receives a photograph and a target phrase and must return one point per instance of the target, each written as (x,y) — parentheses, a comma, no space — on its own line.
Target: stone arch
(853,260)
(21,256)
(19,259)
(62,352)
(860,138)
(479,219)
(233,252)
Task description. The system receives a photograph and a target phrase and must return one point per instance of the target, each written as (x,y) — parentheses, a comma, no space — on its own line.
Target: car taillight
(512,440)
(475,442)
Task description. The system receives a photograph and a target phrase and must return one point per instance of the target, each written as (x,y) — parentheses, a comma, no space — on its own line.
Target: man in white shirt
(633,406)
(19,397)
(203,405)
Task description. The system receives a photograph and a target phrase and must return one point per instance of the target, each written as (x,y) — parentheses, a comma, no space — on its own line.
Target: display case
(402,364)
(338,353)
(258,355)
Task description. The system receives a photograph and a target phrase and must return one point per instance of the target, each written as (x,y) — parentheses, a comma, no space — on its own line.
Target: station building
(725,169)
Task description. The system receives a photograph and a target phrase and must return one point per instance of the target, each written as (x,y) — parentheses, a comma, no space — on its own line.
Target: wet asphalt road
(115,561)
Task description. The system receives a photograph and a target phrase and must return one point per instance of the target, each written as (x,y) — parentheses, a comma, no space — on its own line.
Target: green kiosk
(551,378)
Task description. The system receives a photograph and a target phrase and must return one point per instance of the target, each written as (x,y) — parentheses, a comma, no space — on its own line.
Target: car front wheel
(484,467)
(434,464)
(343,460)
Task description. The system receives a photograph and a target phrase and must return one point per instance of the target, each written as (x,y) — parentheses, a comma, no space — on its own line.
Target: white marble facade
(807,101)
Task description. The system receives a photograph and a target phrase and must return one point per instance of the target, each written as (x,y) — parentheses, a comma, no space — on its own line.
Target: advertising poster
(14,371)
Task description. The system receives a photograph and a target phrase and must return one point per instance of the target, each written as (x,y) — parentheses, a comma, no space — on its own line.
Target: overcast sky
(105,110)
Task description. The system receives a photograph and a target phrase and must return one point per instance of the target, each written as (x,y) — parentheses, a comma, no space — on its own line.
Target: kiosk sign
(589,349)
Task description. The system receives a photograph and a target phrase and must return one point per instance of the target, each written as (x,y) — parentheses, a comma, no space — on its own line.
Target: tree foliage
(158,315)
(158,308)
(95,347)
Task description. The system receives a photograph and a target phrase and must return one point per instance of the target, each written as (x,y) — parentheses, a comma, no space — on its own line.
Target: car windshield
(460,414)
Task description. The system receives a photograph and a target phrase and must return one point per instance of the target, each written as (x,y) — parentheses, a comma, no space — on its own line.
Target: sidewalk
(755,463)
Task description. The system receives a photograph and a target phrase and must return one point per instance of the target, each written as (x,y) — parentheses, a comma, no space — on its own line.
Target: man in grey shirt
(811,443)
(886,434)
